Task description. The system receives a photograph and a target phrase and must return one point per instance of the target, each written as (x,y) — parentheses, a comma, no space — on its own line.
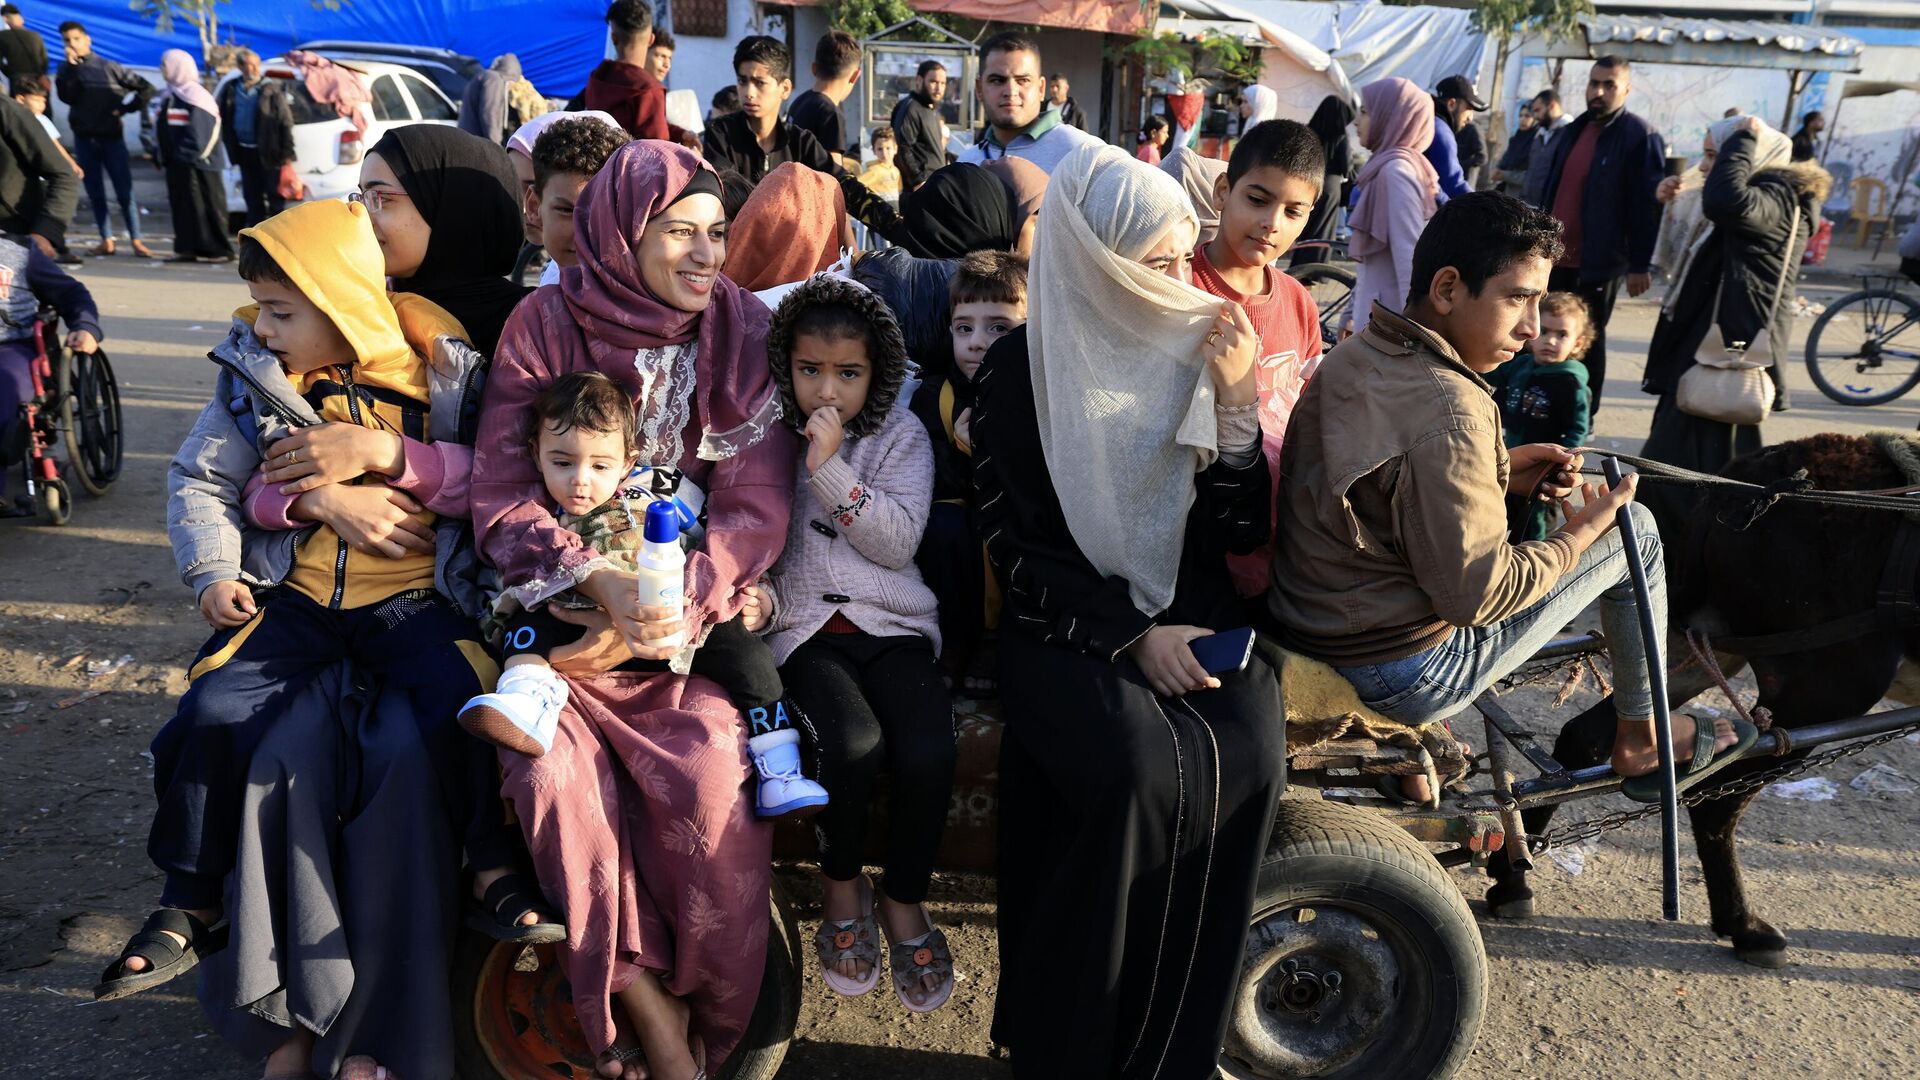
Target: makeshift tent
(1372,41)
(557,43)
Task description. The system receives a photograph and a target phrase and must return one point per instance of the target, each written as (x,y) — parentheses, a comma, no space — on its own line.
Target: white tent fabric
(1372,41)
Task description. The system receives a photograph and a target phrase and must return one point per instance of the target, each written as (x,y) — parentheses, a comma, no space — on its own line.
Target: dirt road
(98,630)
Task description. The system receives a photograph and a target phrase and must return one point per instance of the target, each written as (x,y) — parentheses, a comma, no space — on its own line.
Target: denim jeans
(101,160)
(1445,679)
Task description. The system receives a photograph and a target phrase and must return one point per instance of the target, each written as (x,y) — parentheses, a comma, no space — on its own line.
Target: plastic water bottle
(662,566)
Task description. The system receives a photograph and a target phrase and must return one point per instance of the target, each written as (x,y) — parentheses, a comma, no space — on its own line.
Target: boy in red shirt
(1264,199)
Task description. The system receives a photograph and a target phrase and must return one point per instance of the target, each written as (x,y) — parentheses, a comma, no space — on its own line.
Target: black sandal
(166,958)
(498,914)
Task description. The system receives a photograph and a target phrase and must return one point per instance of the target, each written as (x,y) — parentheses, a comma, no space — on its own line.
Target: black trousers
(1599,297)
(731,656)
(872,703)
(199,206)
(245,677)
(954,566)
(1131,833)
(260,186)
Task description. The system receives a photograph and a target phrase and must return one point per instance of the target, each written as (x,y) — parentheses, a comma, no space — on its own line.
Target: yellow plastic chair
(1869,207)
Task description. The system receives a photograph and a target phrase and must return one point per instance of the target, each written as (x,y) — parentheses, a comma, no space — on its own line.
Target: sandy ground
(98,631)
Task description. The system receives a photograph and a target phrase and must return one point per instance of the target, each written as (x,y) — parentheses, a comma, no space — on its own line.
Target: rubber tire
(70,394)
(757,1057)
(1820,324)
(1339,855)
(523,265)
(56,503)
(1310,274)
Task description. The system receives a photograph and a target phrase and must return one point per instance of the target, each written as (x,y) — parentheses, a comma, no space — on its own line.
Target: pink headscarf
(183,81)
(1399,128)
(615,314)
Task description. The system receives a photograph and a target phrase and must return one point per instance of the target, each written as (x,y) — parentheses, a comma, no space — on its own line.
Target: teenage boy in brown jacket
(1391,559)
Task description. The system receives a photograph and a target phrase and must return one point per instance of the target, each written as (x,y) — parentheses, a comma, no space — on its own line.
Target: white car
(326,148)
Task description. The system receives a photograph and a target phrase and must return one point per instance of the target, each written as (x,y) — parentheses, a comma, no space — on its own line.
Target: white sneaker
(523,711)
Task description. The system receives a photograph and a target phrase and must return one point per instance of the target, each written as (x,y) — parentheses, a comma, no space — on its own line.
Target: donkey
(1797,566)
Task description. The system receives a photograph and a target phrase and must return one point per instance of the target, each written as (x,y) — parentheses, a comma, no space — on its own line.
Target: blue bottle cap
(663,524)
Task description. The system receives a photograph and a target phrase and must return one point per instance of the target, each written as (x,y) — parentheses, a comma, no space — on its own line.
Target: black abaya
(1132,826)
(199,207)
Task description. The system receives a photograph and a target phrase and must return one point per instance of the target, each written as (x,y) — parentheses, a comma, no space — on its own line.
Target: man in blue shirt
(256,123)
(1454,103)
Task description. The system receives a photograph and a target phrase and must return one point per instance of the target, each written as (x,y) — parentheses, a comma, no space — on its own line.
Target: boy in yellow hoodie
(318,509)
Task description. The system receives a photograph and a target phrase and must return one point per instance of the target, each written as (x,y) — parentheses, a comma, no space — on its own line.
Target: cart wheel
(56,502)
(90,412)
(1363,960)
(513,1010)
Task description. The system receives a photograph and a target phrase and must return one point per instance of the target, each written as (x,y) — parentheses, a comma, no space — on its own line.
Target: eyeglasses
(376,199)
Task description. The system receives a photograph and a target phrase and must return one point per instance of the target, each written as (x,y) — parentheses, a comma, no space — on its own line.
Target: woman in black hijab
(1329,122)
(960,209)
(443,206)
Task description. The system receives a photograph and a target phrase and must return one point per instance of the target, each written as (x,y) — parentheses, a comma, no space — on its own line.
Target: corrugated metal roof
(1667,30)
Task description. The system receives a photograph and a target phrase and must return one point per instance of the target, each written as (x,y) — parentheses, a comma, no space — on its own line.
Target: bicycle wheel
(1865,348)
(1331,287)
(527,268)
(90,413)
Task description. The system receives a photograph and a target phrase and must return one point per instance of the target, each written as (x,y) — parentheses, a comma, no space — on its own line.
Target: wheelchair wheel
(56,502)
(90,413)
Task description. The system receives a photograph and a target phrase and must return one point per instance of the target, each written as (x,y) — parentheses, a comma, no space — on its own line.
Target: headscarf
(620,318)
(464,186)
(1026,184)
(183,81)
(1266,106)
(1770,147)
(1197,176)
(1124,402)
(789,229)
(527,134)
(961,208)
(1399,128)
(1330,122)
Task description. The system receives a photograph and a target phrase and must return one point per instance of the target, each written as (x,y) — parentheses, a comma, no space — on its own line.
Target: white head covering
(528,133)
(1265,106)
(1124,402)
(1771,147)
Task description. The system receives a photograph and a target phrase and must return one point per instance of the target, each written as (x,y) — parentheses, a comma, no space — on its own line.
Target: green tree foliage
(865,18)
(1209,55)
(202,15)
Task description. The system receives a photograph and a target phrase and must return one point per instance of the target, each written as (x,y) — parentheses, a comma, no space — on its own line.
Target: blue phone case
(1229,650)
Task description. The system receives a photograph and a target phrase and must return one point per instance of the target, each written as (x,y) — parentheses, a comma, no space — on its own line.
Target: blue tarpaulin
(558,41)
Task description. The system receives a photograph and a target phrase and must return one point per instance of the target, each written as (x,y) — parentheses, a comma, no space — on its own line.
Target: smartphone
(1226,651)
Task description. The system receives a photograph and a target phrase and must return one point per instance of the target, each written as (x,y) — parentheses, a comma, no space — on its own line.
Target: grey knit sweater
(856,524)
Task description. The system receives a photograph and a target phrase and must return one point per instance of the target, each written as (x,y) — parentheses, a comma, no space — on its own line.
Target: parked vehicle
(446,69)
(327,149)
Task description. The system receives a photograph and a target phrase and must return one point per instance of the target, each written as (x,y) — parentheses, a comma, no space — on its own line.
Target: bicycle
(1865,348)
(529,265)
(1330,284)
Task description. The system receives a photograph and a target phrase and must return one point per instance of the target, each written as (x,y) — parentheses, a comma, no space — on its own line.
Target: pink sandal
(855,940)
(913,963)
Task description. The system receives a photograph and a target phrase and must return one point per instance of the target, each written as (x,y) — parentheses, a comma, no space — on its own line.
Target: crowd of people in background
(892,471)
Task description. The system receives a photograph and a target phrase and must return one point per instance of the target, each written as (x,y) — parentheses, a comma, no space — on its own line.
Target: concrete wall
(705,64)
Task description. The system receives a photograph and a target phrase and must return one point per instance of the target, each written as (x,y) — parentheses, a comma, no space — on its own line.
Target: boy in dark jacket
(754,140)
(1542,394)
(98,92)
(989,301)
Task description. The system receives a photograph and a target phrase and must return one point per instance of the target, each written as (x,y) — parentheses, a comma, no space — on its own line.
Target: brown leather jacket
(1392,507)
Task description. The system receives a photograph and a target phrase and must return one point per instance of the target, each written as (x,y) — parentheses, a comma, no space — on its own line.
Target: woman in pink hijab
(1396,192)
(639,819)
(190,152)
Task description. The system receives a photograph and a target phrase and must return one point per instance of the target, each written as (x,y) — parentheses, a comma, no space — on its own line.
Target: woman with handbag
(1728,316)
